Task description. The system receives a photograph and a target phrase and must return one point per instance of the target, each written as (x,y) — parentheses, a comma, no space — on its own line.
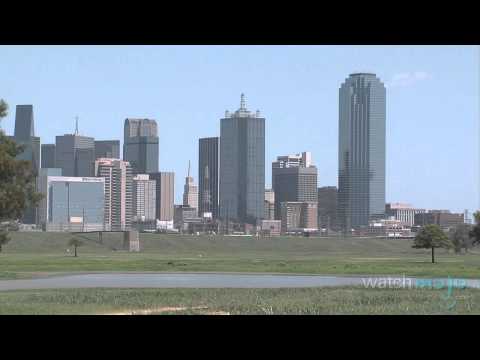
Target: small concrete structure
(131,241)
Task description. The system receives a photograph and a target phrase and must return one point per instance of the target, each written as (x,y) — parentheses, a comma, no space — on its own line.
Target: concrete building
(140,146)
(190,192)
(361,150)
(118,193)
(42,188)
(72,203)
(75,154)
(208,172)
(443,218)
(294,178)
(48,156)
(327,207)
(107,149)
(183,213)
(297,216)
(24,134)
(402,212)
(144,198)
(242,165)
(271,227)
(269,205)
(165,190)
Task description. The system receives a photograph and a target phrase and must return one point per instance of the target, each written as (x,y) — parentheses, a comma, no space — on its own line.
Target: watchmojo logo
(449,284)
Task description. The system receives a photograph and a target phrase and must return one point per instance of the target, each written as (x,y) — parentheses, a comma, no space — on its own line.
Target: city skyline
(422,137)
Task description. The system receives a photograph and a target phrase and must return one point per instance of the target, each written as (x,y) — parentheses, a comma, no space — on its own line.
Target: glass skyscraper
(140,145)
(242,165)
(208,176)
(361,150)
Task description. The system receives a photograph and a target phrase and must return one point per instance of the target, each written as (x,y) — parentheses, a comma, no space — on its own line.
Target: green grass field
(240,301)
(40,254)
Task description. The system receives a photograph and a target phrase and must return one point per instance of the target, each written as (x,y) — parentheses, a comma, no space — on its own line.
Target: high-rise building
(190,191)
(118,193)
(107,149)
(402,212)
(242,166)
(144,198)
(294,178)
(48,156)
(72,203)
(327,207)
(165,187)
(298,216)
(75,154)
(24,134)
(361,150)
(140,146)
(269,205)
(42,188)
(208,176)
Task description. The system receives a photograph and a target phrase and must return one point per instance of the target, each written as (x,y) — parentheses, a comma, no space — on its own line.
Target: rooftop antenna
(76,125)
(188,174)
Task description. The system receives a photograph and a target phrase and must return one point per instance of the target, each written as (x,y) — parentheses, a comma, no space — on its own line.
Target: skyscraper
(144,198)
(165,182)
(327,207)
(208,176)
(24,134)
(75,154)
(242,165)
(48,156)
(294,179)
(107,149)
(118,192)
(361,150)
(140,146)
(190,192)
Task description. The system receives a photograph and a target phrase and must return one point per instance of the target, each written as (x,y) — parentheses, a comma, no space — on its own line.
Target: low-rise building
(402,212)
(299,216)
(443,218)
(271,227)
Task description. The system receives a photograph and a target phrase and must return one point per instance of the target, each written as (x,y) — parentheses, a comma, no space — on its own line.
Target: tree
(460,237)
(431,237)
(17,182)
(475,232)
(75,243)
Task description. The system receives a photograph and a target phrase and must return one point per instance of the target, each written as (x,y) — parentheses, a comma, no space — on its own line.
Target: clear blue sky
(432,104)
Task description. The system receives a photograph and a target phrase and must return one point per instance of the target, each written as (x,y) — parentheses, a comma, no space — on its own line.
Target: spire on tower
(76,125)
(188,173)
(242,102)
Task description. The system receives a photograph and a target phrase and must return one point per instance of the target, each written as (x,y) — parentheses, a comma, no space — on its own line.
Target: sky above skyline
(432,104)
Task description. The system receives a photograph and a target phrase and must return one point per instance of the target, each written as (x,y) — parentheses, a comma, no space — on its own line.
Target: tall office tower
(165,186)
(242,166)
(327,207)
(72,203)
(140,146)
(107,149)
(269,205)
(208,176)
(24,134)
(190,192)
(118,192)
(42,188)
(294,178)
(361,150)
(48,156)
(144,198)
(75,154)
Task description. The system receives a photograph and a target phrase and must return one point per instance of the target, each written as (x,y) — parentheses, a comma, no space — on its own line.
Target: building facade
(208,171)
(73,204)
(443,218)
(75,155)
(242,165)
(165,195)
(144,198)
(48,156)
(402,212)
(42,188)
(140,146)
(190,192)
(118,193)
(269,205)
(294,178)
(327,207)
(297,216)
(107,149)
(361,151)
